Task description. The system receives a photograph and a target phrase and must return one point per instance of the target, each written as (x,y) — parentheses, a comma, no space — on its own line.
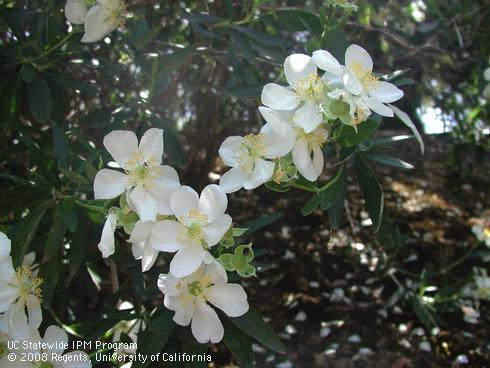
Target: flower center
(486,231)
(310,88)
(364,76)
(116,12)
(142,171)
(316,138)
(195,288)
(192,231)
(27,284)
(251,148)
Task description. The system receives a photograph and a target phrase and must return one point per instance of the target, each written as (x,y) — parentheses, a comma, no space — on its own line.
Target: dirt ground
(327,293)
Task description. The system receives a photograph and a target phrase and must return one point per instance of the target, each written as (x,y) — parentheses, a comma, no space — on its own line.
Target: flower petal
(308,116)
(54,338)
(183,312)
(144,204)
(206,326)
(5,246)
(98,24)
(141,231)
(356,54)
(377,106)
(186,261)
(326,61)
(279,97)
(279,134)
(227,150)
(164,236)
(122,145)
(151,144)
(19,328)
(167,284)
(232,180)
(109,184)
(298,66)
(386,92)
(75,11)
(213,201)
(214,232)
(303,162)
(230,298)
(149,257)
(351,83)
(137,249)
(215,273)
(262,173)
(106,244)
(34,310)
(162,190)
(183,199)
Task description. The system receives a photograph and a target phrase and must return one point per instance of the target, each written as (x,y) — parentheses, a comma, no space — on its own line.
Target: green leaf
(56,234)
(423,312)
(299,20)
(50,272)
(239,344)
(388,160)
(27,230)
(312,204)
(266,39)
(371,190)
(258,223)
(78,248)
(246,91)
(39,98)
(253,325)
(174,61)
(334,188)
(60,144)
(155,337)
(27,72)
(349,137)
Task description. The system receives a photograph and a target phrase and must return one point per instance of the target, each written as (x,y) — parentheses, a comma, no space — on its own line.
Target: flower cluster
(103,17)
(486,76)
(21,292)
(300,117)
(161,215)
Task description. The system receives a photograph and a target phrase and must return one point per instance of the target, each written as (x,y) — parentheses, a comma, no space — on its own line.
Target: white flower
(149,183)
(356,85)
(307,146)
(248,155)
(18,290)
(102,19)
(106,244)
(201,224)
(358,79)
(6,346)
(189,298)
(482,282)
(54,342)
(141,246)
(129,327)
(75,11)
(482,232)
(304,94)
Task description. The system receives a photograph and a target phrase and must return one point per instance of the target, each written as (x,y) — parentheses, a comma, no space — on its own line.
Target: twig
(114,277)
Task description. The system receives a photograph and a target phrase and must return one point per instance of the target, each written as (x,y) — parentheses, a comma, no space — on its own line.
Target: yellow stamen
(251,148)
(364,76)
(310,88)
